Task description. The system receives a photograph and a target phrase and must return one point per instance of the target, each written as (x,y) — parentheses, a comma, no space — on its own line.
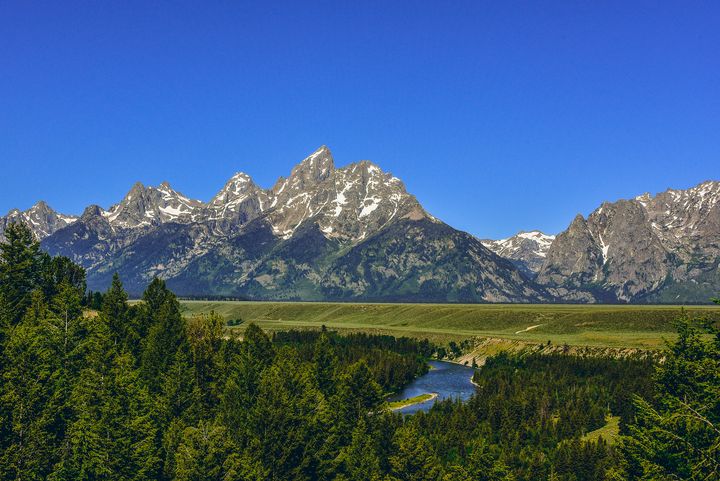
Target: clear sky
(498,116)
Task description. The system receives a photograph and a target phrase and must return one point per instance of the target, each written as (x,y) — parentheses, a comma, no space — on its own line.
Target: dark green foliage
(93,300)
(676,434)
(141,393)
(527,419)
(165,333)
(115,309)
(21,272)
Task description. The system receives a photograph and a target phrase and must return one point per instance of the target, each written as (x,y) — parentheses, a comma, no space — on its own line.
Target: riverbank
(489,346)
(395,405)
(446,380)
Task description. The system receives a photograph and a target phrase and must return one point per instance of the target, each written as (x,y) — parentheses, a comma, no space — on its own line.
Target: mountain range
(321,233)
(662,248)
(527,250)
(355,233)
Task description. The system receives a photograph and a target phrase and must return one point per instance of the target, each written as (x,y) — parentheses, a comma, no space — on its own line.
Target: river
(447,379)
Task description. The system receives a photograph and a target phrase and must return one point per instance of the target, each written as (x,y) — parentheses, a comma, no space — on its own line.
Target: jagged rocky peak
(93,210)
(40,218)
(691,215)
(312,170)
(349,203)
(632,249)
(365,199)
(238,202)
(527,250)
(236,189)
(147,206)
(321,233)
(316,167)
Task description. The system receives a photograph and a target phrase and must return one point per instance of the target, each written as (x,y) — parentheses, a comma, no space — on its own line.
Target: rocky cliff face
(527,250)
(355,233)
(40,218)
(151,206)
(321,233)
(663,248)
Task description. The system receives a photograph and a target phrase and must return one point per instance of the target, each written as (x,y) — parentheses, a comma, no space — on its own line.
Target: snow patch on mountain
(527,250)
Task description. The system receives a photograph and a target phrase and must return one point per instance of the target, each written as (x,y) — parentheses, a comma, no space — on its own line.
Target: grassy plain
(620,326)
(610,432)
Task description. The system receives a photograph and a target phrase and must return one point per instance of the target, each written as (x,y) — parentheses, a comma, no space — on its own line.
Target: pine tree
(21,263)
(61,271)
(242,382)
(205,453)
(87,448)
(27,447)
(115,311)
(288,422)
(128,417)
(205,336)
(413,458)
(359,461)
(677,435)
(165,337)
(483,464)
(357,396)
(326,362)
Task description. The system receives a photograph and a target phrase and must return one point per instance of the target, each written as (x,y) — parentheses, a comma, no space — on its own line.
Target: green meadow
(619,326)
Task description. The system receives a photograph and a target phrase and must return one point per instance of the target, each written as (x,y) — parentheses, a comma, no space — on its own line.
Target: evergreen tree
(242,382)
(115,310)
(205,453)
(127,414)
(326,362)
(165,337)
(61,271)
(483,464)
(87,446)
(21,263)
(287,426)
(414,458)
(27,443)
(677,435)
(205,336)
(357,396)
(359,461)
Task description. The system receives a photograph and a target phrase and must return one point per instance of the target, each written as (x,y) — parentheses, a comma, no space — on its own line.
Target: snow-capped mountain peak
(634,249)
(147,206)
(40,218)
(349,203)
(239,201)
(526,249)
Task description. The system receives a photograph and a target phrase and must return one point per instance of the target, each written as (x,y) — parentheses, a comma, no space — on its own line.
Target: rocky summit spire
(648,249)
(40,218)
(238,202)
(315,168)
(147,206)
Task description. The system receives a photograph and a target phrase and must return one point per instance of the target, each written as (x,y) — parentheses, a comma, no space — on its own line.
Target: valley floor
(613,326)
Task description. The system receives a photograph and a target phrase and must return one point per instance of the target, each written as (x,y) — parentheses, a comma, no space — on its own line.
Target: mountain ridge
(645,249)
(320,233)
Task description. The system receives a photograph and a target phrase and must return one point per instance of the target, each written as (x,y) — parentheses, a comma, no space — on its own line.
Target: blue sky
(499,116)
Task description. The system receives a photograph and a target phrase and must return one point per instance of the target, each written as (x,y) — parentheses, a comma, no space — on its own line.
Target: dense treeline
(530,412)
(137,392)
(394,362)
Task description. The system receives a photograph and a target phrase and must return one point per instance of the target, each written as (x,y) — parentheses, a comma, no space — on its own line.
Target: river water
(446,379)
